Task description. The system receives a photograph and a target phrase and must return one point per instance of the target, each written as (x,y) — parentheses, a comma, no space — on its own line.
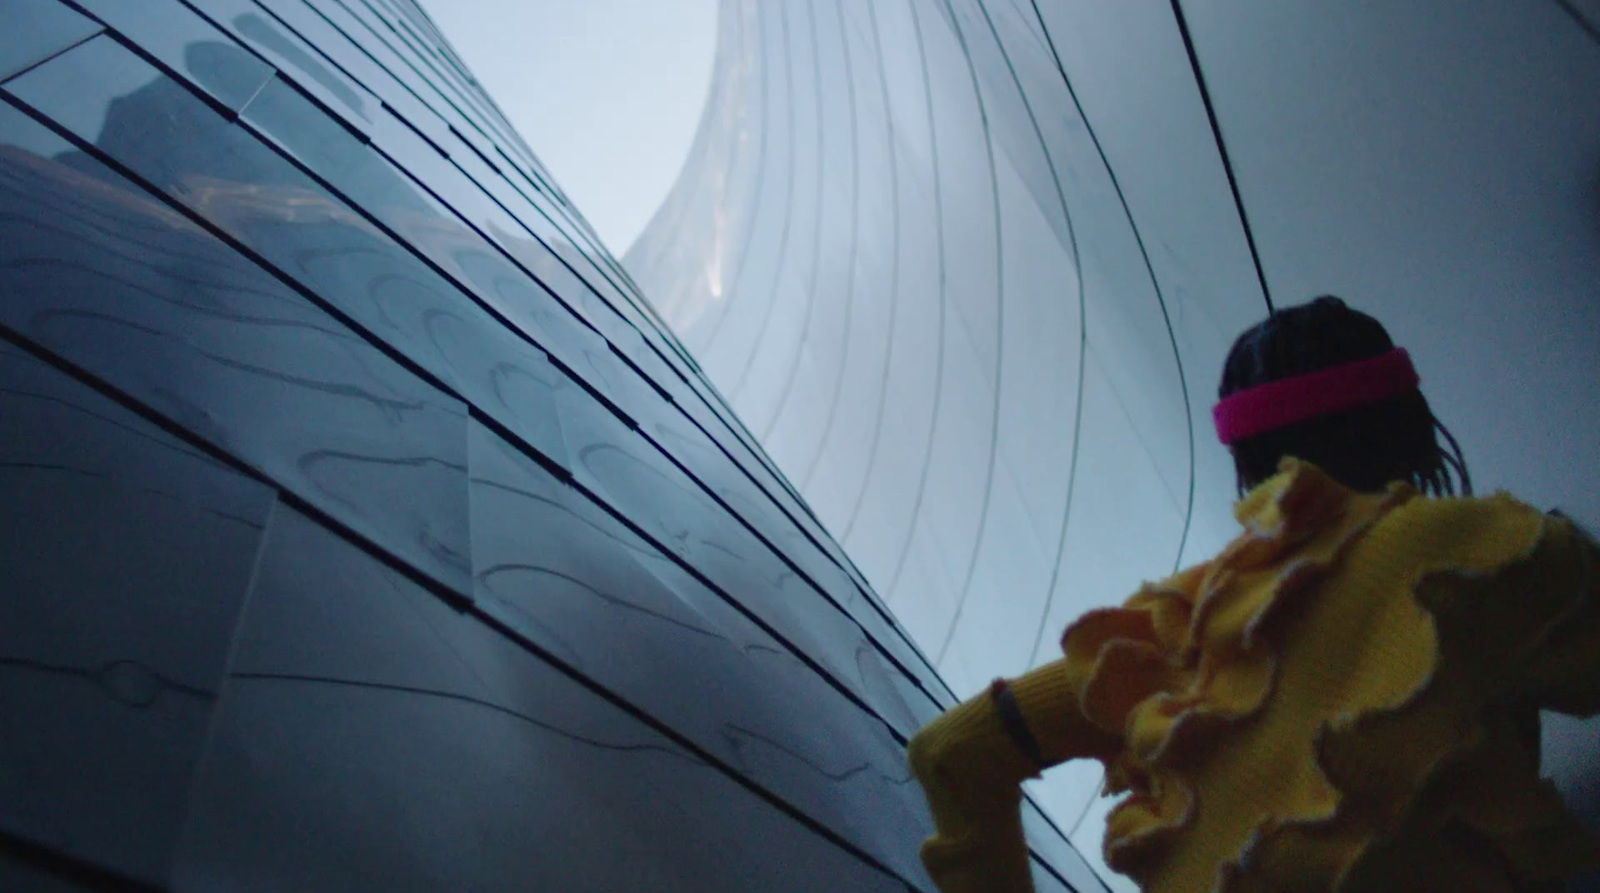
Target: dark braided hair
(1363,448)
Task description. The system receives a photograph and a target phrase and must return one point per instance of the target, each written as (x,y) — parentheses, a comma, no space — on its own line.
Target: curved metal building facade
(365,528)
(968,270)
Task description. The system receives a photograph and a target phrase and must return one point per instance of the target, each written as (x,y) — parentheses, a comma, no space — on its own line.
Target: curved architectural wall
(968,269)
(364,529)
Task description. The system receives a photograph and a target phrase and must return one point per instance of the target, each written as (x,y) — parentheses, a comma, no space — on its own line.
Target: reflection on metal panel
(366,526)
(969,268)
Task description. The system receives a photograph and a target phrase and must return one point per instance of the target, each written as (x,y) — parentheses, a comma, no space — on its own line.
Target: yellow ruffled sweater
(1344,699)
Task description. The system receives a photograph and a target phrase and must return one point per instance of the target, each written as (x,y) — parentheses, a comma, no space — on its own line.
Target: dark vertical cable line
(1222,147)
(850,261)
(938,222)
(1581,20)
(816,238)
(894,271)
(1017,7)
(788,214)
(1144,253)
(999,341)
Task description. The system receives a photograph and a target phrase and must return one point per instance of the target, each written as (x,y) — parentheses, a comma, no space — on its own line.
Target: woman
(1345,698)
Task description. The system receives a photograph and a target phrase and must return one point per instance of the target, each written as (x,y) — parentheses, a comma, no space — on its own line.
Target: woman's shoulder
(1499,517)
(1303,496)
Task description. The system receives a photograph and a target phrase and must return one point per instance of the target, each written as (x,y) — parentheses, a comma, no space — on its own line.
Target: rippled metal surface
(969,268)
(366,526)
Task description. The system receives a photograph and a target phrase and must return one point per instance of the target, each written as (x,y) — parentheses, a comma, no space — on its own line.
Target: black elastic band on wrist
(1005,701)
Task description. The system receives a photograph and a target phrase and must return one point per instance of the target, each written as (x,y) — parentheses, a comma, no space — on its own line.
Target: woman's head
(1365,447)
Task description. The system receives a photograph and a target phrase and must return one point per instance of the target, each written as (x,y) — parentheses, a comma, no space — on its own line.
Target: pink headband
(1278,404)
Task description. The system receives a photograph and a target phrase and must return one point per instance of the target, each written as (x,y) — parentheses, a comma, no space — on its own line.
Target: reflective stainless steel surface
(366,526)
(968,269)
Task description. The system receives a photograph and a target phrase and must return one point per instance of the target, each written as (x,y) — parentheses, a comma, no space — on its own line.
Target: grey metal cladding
(365,525)
(969,269)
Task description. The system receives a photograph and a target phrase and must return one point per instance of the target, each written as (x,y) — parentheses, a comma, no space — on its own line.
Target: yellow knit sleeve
(971,769)
(971,764)
(1563,672)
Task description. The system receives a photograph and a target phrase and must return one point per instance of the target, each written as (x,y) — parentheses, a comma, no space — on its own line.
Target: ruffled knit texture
(1338,701)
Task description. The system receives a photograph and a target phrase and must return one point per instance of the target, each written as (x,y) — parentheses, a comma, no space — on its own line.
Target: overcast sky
(607,92)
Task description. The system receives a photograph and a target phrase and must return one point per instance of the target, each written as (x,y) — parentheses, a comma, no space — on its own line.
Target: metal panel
(112,644)
(371,736)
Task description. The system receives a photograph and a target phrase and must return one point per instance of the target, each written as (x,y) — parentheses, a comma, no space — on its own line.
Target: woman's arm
(1564,672)
(971,763)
